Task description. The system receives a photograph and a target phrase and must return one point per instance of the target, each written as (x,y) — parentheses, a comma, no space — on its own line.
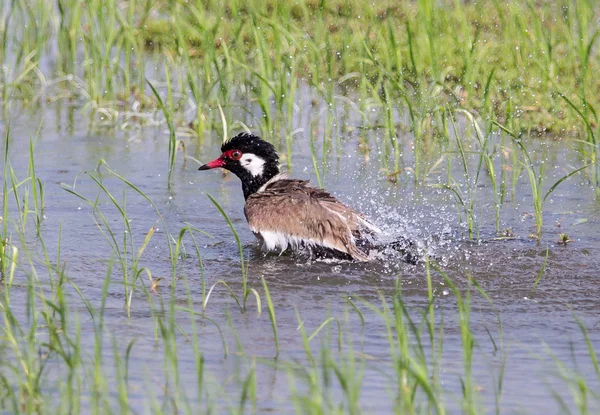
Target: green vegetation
(459,83)
(505,60)
(203,66)
(46,367)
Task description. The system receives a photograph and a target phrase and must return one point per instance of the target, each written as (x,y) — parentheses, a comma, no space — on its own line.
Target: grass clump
(502,60)
(466,54)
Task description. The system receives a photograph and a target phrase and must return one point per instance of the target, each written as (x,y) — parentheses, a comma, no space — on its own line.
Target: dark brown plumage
(286,213)
(291,212)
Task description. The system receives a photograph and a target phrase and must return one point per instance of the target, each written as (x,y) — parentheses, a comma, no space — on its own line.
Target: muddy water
(535,324)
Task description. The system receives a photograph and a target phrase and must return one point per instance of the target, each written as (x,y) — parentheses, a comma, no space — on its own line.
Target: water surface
(537,325)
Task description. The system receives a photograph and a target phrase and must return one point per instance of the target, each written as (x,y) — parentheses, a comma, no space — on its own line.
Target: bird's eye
(236,154)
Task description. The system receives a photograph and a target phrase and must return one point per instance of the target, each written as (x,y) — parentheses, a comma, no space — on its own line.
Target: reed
(465,199)
(272,316)
(536,181)
(246,291)
(486,158)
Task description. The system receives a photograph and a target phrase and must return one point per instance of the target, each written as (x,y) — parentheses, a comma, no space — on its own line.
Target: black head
(250,158)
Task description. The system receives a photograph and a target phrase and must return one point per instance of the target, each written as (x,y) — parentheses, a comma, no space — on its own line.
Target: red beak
(213,164)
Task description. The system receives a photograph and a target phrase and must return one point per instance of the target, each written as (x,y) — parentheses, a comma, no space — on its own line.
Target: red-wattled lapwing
(287,213)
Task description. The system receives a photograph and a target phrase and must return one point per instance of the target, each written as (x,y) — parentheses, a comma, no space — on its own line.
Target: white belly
(278,241)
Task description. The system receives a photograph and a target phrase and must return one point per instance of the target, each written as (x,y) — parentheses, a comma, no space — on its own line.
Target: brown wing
(306,213)
(356,221)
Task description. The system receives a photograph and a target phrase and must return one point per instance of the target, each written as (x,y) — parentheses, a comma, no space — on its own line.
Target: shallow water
(536,324)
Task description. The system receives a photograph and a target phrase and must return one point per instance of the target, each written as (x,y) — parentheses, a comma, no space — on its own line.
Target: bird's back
(287,212)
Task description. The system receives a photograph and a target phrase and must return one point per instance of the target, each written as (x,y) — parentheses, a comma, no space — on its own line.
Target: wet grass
(49,325)
(196,68)
(536,182)
(419,57)
(463,81)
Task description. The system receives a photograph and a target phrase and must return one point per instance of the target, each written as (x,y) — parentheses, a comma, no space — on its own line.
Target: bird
(287,213)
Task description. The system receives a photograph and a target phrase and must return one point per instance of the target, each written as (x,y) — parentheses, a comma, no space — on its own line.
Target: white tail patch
(253,164)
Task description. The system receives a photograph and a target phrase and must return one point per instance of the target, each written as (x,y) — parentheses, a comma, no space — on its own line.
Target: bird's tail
(407,250)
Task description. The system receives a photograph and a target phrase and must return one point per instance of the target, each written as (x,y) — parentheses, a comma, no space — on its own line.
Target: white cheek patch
(253,164)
